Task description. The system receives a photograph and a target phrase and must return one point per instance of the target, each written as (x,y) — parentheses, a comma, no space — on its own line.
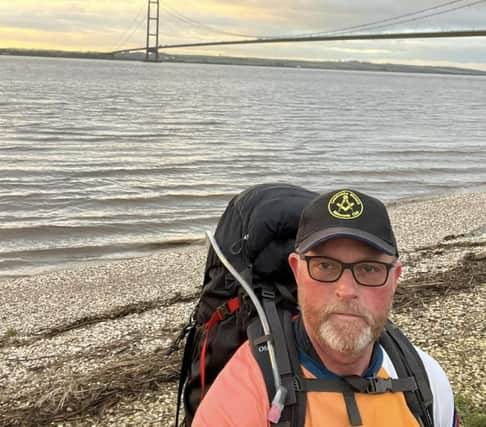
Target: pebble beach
(87,346)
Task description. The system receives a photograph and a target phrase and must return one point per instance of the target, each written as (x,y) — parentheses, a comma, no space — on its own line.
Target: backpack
(254,236)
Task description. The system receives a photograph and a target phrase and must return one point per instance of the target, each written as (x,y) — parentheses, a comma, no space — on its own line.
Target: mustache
(351,308)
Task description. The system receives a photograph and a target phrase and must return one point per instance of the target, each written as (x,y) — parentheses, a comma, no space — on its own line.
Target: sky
(107,25)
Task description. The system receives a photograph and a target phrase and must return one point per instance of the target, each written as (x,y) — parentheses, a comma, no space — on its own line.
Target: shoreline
(86,346)
(140,250)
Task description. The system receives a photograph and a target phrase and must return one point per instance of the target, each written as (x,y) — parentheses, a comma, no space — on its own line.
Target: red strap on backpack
(222,312)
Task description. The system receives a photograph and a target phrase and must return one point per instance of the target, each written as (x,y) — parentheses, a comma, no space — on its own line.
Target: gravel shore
(86,347)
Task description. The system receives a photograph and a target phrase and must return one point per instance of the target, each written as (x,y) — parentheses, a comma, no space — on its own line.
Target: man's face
(344,316)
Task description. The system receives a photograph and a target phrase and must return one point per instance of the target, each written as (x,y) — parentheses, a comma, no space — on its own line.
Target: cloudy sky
(104,25)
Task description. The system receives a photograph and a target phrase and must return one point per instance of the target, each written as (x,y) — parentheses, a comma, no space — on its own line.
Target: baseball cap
(345,213)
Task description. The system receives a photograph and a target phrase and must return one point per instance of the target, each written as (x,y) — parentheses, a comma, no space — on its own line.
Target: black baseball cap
(345,213)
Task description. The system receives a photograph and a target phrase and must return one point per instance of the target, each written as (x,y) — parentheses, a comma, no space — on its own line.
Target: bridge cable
(370,25)
(381,21)
(172,12)
(132,28)
(404,21)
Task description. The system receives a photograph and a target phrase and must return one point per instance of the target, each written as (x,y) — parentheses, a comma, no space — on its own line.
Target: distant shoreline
(261,62)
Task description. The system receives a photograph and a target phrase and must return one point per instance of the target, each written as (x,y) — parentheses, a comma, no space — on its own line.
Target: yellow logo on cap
(345,205)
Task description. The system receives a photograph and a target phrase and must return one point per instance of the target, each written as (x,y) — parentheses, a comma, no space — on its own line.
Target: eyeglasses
(366,273)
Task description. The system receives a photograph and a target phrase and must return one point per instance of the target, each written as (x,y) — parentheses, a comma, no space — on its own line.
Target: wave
(16,264)
(422,153)
(95,250)
(106,227)
(196,197)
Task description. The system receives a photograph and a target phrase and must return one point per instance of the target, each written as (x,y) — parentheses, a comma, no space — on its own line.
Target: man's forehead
(347,242)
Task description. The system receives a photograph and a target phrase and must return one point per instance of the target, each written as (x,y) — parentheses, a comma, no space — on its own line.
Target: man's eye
(369,268)
(325,266)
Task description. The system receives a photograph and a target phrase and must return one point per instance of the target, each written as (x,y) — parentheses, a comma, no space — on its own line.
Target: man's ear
(396,272)
(294,262)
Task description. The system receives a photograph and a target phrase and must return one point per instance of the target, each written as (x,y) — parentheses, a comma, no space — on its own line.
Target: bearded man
(346,268)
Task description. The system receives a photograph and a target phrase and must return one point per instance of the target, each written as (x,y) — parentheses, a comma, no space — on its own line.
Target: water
(110,159)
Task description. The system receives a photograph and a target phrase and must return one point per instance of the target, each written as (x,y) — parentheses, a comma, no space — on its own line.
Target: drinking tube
(281,392)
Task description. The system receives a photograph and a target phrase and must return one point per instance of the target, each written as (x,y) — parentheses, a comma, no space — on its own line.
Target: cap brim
(331,233)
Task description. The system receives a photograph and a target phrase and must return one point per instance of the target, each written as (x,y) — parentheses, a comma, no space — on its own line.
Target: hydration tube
(278,401)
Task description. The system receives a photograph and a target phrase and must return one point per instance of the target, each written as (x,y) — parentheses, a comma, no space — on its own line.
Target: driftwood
(68,398)
(470,272)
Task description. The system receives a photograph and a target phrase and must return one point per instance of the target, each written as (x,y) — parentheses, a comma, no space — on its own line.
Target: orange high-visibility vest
(238,398)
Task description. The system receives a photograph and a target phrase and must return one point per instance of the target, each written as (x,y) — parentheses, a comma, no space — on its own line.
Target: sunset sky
(104,25)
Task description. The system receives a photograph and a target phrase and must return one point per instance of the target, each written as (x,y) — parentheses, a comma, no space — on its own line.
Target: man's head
(346,269)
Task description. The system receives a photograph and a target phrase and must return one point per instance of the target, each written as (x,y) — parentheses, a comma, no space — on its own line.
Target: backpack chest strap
(379,385)
(356,384)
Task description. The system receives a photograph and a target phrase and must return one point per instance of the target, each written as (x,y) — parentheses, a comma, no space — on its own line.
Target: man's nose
(346,286)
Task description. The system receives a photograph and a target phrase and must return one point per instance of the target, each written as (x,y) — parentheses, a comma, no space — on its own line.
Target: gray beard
(344,336)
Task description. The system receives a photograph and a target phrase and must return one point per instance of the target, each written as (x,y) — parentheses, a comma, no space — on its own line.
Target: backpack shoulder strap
(299,410)
(188,330)
(407,362)
(287,360)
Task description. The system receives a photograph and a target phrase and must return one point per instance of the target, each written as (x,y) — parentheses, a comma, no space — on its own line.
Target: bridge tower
(152,47)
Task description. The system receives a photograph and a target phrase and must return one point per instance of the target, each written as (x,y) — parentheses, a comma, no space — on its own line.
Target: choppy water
(108,159)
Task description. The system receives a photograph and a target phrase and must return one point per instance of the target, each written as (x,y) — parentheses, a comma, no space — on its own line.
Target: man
(346,268)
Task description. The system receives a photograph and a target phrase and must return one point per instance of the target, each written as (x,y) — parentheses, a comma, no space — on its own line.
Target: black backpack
(255,234)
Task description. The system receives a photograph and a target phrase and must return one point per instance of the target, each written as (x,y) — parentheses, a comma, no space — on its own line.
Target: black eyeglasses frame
(348,266)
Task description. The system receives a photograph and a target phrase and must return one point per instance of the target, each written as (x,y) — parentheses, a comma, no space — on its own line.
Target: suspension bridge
(152,46)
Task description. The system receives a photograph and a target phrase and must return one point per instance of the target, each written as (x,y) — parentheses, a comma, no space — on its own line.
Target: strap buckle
(298,385)
(379,385)
(224,311)
(268,293)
